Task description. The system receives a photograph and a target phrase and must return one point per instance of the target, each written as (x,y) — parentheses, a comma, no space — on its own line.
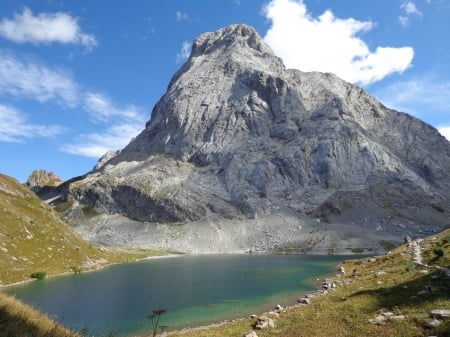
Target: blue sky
(78,78)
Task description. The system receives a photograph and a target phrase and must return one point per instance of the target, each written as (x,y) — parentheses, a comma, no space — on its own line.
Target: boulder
(264,322)
(304,300)
(440,313)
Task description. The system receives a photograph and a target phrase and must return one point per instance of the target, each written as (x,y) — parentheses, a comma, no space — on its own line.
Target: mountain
(244,154)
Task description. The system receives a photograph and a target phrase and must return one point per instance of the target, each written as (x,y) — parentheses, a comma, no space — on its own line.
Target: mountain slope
(33,238)
(242,153)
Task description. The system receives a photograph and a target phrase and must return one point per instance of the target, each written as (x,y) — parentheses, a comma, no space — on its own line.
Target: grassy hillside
(33,238)
(391,283)
(17,319)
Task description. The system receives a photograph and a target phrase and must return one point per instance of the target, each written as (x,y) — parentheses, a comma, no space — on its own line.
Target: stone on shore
(264,322)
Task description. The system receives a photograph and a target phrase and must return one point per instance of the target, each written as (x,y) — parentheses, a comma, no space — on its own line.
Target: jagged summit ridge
(239,136)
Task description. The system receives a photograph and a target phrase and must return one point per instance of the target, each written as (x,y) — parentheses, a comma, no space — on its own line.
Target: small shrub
(76,269)
(440,251)
(40,275)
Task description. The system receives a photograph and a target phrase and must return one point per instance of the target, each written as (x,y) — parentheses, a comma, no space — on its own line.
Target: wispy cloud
(329,44)
(184,52)
(419,96)
(14,126)
(426,97)
(120,125)
(409,10)
(45,28)
(115,124)
(102,108)
(96,144)
(181,16)
(36,81)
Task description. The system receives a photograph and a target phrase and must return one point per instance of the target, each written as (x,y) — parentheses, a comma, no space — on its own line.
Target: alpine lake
(193,291)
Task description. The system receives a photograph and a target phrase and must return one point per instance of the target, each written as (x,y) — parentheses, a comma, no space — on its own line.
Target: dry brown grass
(20,320)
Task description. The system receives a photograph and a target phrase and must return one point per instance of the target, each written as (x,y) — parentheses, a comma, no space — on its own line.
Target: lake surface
(193,289)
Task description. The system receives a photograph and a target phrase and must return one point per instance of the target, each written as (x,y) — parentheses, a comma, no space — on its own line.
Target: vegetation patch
(387,246)
(40,275)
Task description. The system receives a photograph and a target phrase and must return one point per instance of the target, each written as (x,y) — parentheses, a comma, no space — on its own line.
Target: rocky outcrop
(40,179)
(238,138)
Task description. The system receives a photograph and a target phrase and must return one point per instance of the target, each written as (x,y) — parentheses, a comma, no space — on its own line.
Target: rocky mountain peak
(239,136)
(39,179)
(226,39)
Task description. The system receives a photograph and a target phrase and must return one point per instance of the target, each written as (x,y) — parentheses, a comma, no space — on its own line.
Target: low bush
(40,275)
(440,251)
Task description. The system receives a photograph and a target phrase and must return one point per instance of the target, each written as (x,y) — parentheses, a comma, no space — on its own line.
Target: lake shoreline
(215,324)
(95,268)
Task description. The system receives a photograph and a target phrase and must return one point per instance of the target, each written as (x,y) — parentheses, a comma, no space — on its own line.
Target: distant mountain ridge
(244,154)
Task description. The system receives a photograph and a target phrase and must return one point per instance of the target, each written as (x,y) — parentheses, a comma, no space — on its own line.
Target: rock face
(242,149)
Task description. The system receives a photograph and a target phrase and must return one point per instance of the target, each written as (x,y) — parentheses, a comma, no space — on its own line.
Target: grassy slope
(18,319)
(362,294)
(33,238)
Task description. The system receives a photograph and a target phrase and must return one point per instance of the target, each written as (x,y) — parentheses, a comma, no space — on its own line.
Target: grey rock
(304,300)
(433,324)
(440,313)
(264,322)
(238,141)
(250,334)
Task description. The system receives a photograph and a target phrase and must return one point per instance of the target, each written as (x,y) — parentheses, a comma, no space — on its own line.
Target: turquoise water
(193,289)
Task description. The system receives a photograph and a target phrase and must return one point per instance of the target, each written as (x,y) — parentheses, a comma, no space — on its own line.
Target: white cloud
(445,131)
(14,126)
(409,9)
(45,28)
(181,16)
(329,44)
(36,81)
(184,52)
(102,108)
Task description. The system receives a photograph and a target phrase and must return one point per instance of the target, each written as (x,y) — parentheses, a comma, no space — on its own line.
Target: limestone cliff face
(239,136)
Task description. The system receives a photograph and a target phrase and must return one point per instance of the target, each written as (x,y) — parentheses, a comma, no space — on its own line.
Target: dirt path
(416,252)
